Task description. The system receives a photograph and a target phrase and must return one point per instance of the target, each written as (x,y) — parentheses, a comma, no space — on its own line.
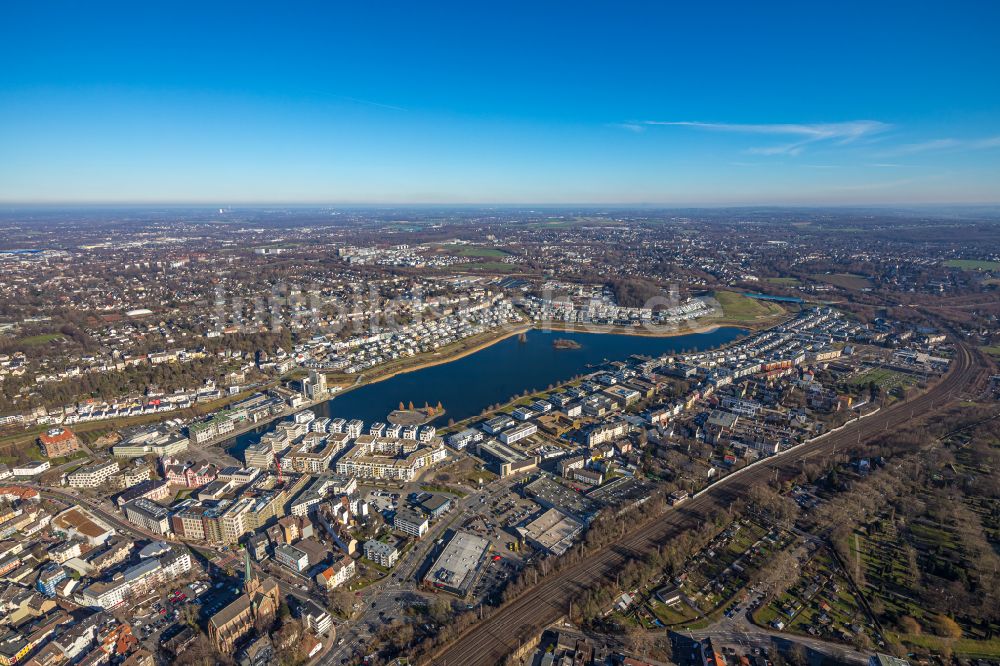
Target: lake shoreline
(542,328)
(603,329)
(506,370)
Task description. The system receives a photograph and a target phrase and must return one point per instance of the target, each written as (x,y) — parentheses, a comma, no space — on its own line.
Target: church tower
(251,584)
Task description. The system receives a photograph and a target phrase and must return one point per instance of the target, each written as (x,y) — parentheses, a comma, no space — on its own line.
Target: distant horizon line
(417,204)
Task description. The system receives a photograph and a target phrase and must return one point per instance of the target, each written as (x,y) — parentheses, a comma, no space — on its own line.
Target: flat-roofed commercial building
(459,564)
(553,531)
(157,442)
(518,432)
(504,459)
(553,495)
(622,396)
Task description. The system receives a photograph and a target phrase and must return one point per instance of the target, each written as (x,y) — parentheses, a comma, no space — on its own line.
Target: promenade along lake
(497,373)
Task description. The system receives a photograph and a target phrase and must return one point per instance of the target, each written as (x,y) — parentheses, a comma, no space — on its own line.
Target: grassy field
(565,223)
(844,280)
(973,264)
(992,351)
(676,614)
(478,251)
(781,280)
(968,647)
(738,307)
(41,339)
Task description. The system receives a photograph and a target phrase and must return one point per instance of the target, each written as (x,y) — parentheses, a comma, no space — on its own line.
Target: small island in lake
(415,416)
(563,343)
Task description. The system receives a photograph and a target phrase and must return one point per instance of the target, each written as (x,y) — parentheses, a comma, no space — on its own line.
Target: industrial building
(457,567)
(553,531)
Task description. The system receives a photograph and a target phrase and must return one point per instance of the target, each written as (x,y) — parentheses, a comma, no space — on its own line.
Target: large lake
(493,375)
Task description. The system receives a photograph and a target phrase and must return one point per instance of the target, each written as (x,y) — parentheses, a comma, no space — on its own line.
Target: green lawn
(992,351)
(485,252)
(742,308)
(671,615)
(973,264)
(781,280)
(41,339)
(844,280)
(964,646)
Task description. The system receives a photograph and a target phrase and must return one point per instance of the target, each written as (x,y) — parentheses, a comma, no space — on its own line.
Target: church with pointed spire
(256,607)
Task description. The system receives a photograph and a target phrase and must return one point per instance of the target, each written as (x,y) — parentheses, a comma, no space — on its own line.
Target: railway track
(491,640)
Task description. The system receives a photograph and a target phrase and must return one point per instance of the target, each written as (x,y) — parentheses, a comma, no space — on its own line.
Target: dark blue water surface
(494,375)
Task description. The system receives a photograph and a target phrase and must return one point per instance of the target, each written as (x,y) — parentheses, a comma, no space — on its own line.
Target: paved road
(105,511)
(490,641)
(743,641)
(739,632)
(381,597)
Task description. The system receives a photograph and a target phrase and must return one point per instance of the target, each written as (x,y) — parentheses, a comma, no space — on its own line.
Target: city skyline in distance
(451,105)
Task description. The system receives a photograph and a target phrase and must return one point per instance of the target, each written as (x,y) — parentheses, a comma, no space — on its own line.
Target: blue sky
(542,102)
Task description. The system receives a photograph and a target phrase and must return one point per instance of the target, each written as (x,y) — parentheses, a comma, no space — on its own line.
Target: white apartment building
(33,468)
(518,432)
(354,428)
(383,554)
(411,522)
(91,476)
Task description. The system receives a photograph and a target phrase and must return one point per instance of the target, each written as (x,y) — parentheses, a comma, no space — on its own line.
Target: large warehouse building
(459,564)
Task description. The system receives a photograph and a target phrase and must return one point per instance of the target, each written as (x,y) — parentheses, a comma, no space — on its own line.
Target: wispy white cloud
(983,143)
(632,127)
(806,133)
(988,142)
(923,146)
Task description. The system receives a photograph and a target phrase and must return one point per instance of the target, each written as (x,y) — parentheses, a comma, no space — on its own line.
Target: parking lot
(513,510)
(383,501)
(493,578)
(159,617)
